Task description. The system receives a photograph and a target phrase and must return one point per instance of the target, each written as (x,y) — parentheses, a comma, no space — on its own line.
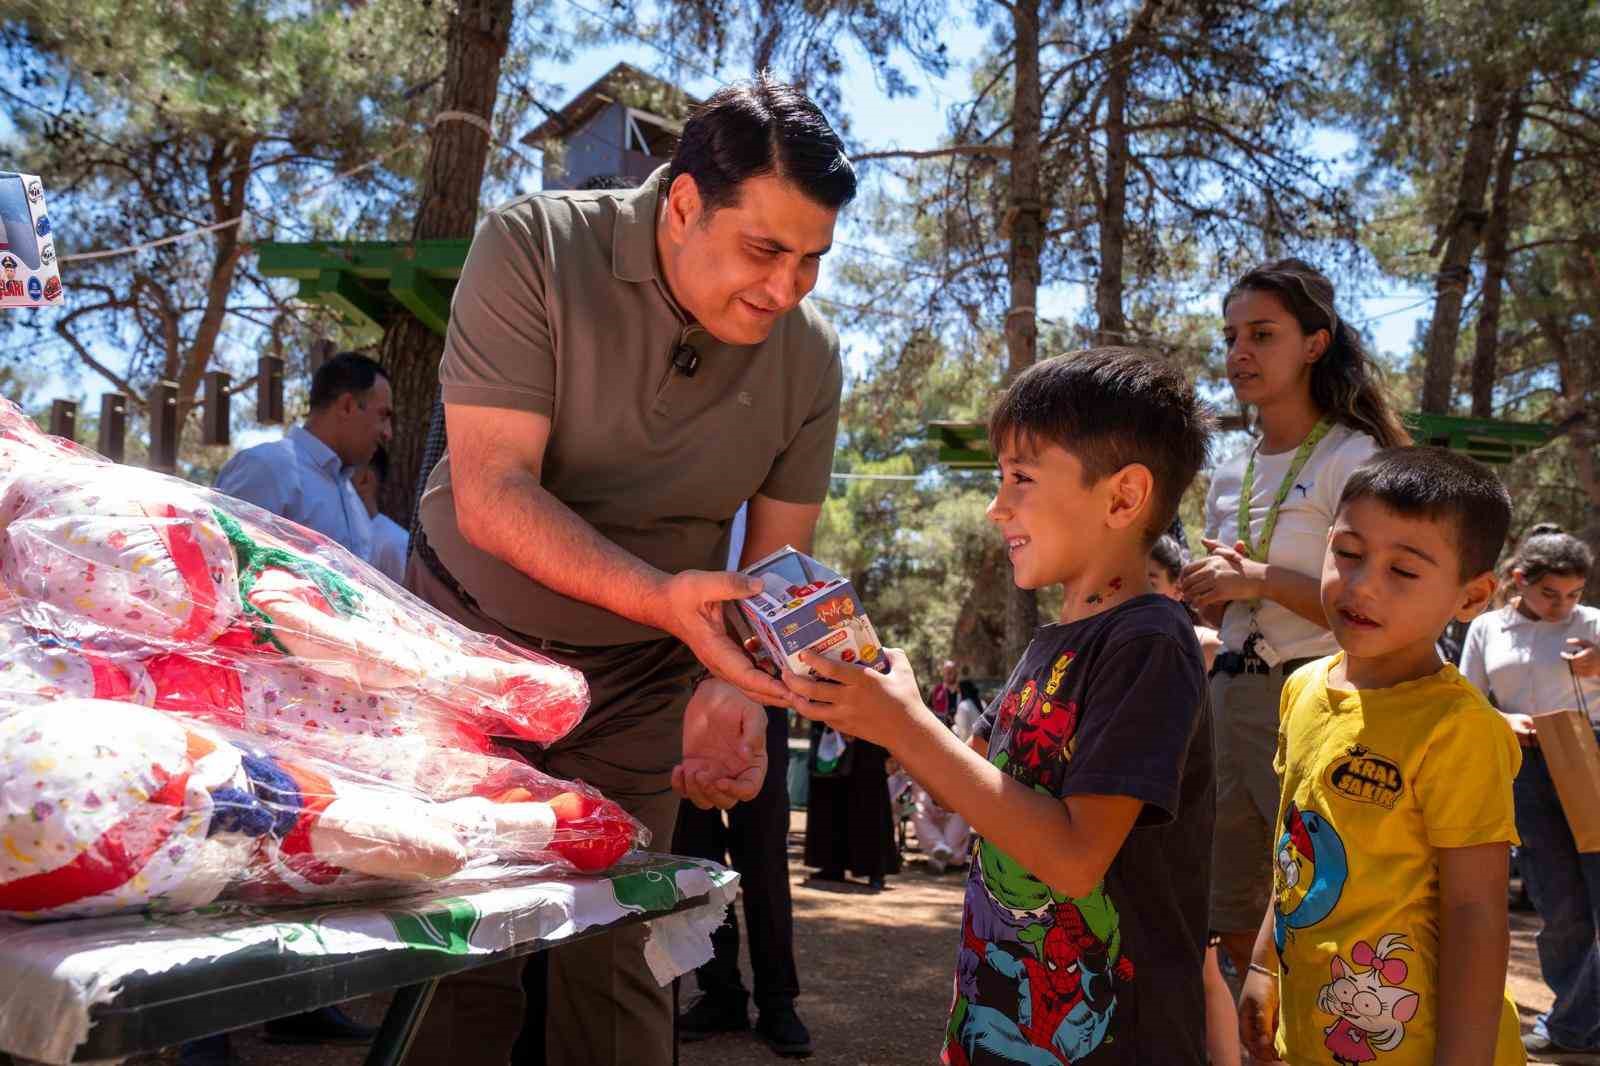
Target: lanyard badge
(1256,644)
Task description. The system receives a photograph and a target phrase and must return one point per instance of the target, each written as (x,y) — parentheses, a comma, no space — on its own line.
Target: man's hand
(1226,574)
(1583,656)
(724,747)
(1258,1016)
(858,700)
(694,615)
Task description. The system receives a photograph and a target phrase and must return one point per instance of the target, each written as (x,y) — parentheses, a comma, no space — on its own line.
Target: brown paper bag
(1567,740)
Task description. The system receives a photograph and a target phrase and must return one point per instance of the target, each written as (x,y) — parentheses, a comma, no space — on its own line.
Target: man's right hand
(694,615)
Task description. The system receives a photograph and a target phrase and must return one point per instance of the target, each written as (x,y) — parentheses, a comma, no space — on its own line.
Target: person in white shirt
(307,476)
(1539,653)
(1321,411)
(389,541)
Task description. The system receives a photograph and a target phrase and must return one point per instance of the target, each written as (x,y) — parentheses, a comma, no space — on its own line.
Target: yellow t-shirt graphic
(1374,783)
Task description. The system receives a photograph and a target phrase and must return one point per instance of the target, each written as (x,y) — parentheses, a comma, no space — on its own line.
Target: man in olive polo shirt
(622,370)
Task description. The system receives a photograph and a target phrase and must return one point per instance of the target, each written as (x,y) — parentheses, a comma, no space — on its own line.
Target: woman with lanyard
(1538,653)
(1320,412)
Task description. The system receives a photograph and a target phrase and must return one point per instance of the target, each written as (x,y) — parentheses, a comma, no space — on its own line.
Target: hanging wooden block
(269,389)
(64,419)
(214,419)
(113,425)
(164,426)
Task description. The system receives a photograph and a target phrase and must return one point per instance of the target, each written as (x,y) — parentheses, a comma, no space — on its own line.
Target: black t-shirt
(1114,704)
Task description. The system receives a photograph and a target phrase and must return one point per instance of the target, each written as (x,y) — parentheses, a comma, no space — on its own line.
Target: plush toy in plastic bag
(128,593)
(113,556)
(109,806)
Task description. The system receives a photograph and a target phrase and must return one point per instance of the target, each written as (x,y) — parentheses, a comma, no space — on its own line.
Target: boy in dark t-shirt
(1084,926)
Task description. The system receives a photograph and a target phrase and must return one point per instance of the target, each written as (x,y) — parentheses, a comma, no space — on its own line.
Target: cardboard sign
(29,273)
(1567,740)
(804,606)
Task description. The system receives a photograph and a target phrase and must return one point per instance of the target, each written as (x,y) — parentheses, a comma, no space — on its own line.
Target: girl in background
(1222,1020)
(1538,653)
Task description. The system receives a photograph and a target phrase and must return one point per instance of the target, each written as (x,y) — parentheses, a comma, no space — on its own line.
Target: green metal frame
(965,445)
(370,282)
(1486,440)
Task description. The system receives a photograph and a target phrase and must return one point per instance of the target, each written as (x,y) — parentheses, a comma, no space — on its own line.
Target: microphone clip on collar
(685,360)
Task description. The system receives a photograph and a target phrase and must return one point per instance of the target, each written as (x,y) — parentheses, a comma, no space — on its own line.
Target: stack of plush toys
(197,697)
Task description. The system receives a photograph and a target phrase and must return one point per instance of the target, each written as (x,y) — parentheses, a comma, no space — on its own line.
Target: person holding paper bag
(1539,654)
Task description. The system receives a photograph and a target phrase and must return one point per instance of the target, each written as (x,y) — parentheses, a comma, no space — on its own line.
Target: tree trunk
(1111,324)
(1486,354)
(1026,214)
(1111,327)
(1574,382)
(458,152)
(1461,237)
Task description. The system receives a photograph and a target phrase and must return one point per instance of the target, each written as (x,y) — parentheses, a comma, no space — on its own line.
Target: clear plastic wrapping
(198,697)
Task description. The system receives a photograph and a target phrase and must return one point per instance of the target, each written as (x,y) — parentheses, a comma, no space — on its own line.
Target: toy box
(804,606)
(29,273)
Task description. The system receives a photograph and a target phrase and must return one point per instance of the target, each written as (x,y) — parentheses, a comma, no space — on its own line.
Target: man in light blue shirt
(306,476)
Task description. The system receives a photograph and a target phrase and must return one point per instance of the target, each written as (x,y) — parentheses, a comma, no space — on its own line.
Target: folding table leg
(400,1024)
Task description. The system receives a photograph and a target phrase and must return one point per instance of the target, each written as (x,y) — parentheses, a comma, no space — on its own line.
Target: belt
(1234,663)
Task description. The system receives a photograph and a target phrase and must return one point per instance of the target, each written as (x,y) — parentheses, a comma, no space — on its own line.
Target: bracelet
(1256,967)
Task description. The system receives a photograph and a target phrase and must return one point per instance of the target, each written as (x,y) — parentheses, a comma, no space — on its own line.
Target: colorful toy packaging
(29,273)
(804,606)
(198,697)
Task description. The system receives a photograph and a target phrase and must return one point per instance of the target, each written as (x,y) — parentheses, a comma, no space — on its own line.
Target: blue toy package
(30,275)
(804,606)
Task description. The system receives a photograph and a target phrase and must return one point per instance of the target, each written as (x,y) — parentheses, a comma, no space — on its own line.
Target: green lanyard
(1248,490)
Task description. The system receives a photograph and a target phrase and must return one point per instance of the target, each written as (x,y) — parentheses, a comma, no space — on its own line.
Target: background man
(306,476)
(622,370)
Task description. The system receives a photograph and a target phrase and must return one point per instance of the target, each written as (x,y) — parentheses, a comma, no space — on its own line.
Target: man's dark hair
(1439,484)
(345,372)
(1110,407)
(757,128)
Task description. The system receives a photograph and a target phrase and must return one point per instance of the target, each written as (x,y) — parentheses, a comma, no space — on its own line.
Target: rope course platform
(965,445)
(369,282)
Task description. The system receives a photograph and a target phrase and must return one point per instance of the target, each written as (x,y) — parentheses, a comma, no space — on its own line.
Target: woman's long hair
(1346,384)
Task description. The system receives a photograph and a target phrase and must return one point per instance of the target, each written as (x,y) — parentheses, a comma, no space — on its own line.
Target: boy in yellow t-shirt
(1387,935)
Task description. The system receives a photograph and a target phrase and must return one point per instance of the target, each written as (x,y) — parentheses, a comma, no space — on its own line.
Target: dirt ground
(875,972)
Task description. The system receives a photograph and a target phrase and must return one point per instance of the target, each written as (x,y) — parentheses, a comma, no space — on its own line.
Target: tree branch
(996,150)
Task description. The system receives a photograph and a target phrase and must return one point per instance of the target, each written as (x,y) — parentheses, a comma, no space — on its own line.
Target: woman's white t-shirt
(1516,660)
(1301,536)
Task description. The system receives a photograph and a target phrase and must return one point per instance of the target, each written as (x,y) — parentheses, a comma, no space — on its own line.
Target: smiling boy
(1387,930)
(1084,924)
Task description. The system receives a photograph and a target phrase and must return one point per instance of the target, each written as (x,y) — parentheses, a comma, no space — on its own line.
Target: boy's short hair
(1436,483)
(1110,407)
